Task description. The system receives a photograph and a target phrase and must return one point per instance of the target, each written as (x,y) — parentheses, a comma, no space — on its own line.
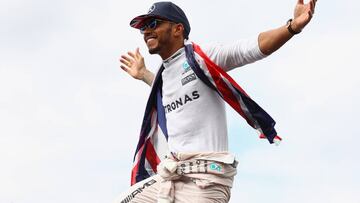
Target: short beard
(165,40)
(156,50)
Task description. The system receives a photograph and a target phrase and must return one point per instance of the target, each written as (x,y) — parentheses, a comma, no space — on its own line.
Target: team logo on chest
(189,77)
(186,66)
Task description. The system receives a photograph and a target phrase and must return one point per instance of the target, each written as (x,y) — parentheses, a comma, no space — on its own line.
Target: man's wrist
(290,27)
(148,77)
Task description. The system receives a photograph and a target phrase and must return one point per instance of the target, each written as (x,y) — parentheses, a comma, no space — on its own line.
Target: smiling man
(182,154)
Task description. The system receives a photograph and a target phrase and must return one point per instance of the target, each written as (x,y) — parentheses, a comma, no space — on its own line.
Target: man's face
(157,35)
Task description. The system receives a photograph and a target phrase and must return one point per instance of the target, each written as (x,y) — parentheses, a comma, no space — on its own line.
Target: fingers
(125,64)
(136,54)
(131,60)
(310,14)
(126,60)
(312,6)
(126,69)
(131,54)
(300,1)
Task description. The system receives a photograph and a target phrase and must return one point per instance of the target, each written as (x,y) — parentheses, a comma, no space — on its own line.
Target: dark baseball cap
(164,10)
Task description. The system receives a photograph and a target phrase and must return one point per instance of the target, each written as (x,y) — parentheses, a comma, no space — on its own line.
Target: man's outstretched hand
(303,14)
(133,63)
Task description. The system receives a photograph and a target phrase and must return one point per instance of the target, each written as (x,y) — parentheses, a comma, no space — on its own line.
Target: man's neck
(171,50)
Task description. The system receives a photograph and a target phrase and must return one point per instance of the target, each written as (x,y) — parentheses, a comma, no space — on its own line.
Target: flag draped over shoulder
(152,145)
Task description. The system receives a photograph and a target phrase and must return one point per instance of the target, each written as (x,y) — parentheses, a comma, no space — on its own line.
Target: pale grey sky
(70,117)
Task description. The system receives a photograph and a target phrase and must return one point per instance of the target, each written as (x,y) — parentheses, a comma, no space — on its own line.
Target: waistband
(204,169)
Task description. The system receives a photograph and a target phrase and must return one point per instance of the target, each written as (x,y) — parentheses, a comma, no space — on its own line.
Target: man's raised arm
(272,40)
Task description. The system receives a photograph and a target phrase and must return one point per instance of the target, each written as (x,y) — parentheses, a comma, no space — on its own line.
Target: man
(185,115)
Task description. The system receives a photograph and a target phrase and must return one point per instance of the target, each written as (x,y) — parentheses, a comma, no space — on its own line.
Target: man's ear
(179,30)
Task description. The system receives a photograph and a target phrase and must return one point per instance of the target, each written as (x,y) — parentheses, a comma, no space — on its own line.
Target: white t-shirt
(195,114)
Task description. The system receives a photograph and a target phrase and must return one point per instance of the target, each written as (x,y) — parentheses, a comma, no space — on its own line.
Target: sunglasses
(152,24)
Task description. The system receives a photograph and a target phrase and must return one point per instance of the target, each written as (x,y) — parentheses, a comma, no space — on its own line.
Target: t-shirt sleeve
(235,55)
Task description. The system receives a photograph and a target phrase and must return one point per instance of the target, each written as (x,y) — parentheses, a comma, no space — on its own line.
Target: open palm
(133,64)
(303,13)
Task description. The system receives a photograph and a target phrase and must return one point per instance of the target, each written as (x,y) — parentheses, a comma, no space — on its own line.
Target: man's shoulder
(210,48)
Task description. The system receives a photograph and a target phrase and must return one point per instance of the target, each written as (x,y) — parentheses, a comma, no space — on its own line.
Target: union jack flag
(152,145)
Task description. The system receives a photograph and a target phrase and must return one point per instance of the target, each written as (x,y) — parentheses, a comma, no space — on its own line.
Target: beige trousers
(186,191)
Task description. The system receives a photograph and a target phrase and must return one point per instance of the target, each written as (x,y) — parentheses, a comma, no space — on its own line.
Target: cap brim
(139,21)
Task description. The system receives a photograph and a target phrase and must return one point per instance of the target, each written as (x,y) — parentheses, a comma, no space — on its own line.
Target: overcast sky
(70,117)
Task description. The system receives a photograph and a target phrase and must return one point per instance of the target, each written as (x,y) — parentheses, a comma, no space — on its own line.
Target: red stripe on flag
(136,167)
(151,155)
(216,73)
(222,72)
(133,173)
